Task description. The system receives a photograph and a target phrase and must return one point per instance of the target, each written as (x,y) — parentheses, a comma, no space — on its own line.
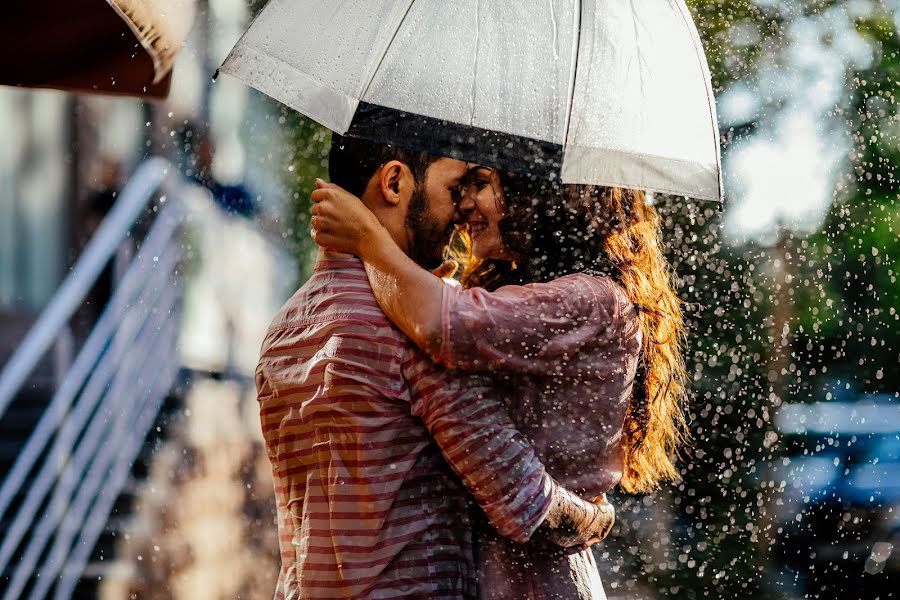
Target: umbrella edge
(616,168)
(279,81)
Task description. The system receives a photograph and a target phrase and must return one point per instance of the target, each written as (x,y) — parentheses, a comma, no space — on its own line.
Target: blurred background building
(790,487)
(199,491)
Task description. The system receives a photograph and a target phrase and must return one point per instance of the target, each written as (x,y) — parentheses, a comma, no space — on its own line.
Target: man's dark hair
(353,161)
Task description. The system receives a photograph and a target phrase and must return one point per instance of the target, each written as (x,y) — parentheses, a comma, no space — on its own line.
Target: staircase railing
(99,416)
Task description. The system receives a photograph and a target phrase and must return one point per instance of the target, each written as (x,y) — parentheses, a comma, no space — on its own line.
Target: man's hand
(574,522)
(340,221)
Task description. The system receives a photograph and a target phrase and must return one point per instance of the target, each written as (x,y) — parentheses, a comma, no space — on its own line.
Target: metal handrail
(88,455)
(97,388)
(154,244)
(71,517)
(129,206)
(98,498)
(75,562)
(100,414)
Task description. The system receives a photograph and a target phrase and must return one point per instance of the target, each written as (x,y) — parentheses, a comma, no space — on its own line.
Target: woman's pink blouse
(565,352)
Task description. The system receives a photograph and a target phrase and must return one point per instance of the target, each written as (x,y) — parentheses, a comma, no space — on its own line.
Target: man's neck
(332,256)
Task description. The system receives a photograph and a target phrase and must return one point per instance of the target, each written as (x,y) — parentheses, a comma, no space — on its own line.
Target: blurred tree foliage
(732,32)
(848,318)
(310,143)
(307,143)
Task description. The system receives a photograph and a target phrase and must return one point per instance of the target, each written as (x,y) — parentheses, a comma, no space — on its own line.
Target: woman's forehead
(474,169)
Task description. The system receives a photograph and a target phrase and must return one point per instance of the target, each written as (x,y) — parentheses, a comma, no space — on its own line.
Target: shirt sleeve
(480,443)
(535,328)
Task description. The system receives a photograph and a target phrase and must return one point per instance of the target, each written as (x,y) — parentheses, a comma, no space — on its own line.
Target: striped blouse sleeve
(477,438)
(535,328)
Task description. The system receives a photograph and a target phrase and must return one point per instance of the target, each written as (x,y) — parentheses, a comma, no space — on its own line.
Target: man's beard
(427,236)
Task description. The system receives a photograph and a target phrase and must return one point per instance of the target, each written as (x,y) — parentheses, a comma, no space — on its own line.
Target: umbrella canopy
(107,46)
(592,91)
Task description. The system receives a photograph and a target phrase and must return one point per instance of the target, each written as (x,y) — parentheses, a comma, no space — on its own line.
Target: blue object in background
(234,199)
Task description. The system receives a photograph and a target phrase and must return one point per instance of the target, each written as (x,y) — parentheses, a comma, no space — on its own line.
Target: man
(365,433)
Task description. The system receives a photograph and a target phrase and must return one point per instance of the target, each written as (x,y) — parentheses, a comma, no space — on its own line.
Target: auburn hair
(557,230)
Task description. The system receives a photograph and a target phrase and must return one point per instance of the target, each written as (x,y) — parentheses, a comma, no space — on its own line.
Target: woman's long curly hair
(557,230)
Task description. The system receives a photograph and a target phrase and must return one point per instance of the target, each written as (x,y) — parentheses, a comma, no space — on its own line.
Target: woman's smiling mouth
(476,227)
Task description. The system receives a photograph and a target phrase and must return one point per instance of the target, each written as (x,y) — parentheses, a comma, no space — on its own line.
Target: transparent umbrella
(592,91)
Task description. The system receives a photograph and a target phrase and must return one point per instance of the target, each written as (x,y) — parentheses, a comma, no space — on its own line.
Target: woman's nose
(464,206)
(466,202)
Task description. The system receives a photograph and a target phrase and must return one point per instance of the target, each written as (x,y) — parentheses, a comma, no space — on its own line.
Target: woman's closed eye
(481,182)
(481,176)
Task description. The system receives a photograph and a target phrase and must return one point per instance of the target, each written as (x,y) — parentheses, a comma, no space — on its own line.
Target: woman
(569,302)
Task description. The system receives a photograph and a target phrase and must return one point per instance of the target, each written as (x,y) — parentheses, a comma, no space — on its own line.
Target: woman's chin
(488,249)
(480,252)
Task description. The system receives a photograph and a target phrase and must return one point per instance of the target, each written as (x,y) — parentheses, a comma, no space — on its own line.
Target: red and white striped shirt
(362,431)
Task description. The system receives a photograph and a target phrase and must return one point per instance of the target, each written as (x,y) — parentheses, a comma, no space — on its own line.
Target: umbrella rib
(387,47)
(709,101)
(475,63)
(573,77)
(641,77)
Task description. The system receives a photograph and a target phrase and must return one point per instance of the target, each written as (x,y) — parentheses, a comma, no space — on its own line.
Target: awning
(121,47)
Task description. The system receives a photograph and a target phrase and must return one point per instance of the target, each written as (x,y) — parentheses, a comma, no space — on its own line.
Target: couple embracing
(431,440)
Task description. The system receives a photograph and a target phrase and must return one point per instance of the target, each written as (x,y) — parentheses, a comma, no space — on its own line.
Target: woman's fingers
(328,233)
(322,207)
(322,239)
(331,193)
(319,194)
(338,218)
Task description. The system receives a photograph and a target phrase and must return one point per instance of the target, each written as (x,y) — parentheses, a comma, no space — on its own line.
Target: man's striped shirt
(356,420)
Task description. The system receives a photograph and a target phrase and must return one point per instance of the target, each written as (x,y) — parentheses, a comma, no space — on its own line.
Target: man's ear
(395,180)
